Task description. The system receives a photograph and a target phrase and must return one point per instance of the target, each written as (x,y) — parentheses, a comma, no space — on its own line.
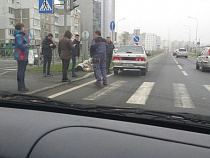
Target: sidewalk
(36,82)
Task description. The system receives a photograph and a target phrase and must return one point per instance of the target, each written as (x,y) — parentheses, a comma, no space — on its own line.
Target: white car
(182,52)
(130,57)
(203,60)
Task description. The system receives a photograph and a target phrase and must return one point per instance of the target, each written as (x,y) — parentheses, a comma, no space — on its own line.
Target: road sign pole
(65,16)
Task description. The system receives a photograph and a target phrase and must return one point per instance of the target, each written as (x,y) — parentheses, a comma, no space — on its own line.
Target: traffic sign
(29,36)
(136,44)
(46,6)
(112,25)
(198,43)
(85,35)
(136,39)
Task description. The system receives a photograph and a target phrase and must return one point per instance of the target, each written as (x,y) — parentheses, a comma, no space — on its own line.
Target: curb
(60,84)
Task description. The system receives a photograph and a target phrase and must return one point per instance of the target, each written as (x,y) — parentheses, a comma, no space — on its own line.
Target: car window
(132,49)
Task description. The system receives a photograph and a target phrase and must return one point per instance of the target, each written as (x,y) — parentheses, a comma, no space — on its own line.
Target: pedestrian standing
(65,48)
(47,46)
(98,50)
(109,52)
(21,55)
(75,54)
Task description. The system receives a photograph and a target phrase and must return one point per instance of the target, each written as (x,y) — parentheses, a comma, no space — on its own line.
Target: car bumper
(130,65)
(182,55)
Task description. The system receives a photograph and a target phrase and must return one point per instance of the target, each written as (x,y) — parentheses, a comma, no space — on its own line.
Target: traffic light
(73,5)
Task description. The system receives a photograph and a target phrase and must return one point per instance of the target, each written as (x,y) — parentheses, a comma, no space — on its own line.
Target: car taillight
(117,58)
(140,59)
(208,53)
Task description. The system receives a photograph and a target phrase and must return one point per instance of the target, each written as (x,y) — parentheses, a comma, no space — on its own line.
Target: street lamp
(117,26)
(21,14)
(196,28)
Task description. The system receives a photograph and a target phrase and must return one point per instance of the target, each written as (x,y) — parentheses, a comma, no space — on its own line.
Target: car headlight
(36,56)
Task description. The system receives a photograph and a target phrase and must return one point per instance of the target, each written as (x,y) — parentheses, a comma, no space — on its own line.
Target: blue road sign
(136,39)
(112,25)
(46,6)
(198,43)
(29,36)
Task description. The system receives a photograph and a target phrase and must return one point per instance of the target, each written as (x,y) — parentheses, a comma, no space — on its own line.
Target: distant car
(203,60)
(37,58)
(130,57)
(175,52)
(182,52)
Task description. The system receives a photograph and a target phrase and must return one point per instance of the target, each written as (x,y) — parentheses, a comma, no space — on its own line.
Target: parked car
(203,60)
(130,57)
(182,52)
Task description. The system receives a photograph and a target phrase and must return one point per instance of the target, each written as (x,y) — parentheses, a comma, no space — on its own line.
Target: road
(7,66)
(172,85)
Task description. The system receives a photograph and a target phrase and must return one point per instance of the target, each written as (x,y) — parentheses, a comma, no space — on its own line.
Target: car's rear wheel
(197,66)
(186,57)
(143,72)
(176,56)
(116,71)
(203,69)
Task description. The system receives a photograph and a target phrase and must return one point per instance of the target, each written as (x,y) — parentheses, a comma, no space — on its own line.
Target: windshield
(89,56)
(133,49)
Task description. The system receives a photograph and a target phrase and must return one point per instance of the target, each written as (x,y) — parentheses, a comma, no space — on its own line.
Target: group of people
(101,55)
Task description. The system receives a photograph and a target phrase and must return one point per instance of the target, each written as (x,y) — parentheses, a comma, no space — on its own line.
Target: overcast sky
(157,16)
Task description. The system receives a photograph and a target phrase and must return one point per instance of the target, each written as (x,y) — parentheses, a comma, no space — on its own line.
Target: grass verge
(192,55)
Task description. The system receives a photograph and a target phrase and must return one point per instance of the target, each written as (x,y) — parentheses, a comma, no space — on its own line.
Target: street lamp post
(21,14)
(117,26)
(196,28)
(189,35)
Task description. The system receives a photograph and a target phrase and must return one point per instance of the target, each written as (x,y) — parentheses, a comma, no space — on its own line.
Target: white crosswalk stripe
(106,90)
(181,96)
(207,87)
(142,94)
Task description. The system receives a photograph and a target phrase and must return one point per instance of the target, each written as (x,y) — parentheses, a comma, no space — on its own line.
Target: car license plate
(128,65)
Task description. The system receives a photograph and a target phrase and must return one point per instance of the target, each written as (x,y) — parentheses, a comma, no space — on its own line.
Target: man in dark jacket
(47,46)
(109,51)
(75,54)
(98,47)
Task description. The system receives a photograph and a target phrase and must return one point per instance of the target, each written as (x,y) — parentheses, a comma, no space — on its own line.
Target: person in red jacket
(21,55)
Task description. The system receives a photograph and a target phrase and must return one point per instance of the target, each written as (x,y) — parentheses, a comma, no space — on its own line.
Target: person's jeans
(47,61)
(73,65)
(65,66)
(21,74)
(108,62)
(100,69)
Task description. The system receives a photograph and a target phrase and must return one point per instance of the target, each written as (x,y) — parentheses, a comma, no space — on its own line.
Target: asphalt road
(172,85)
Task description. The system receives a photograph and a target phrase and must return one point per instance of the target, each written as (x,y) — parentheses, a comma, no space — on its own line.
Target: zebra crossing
(181,97)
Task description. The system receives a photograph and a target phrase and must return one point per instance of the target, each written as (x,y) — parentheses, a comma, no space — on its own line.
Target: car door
(200,57)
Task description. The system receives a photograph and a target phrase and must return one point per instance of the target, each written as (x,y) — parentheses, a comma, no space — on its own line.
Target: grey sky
(156,16)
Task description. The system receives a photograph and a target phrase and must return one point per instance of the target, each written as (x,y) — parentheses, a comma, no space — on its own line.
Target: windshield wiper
(175,117)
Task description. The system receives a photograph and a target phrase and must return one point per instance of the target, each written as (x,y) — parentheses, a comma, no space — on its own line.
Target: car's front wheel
(203,69)
(197,66)
(177,56)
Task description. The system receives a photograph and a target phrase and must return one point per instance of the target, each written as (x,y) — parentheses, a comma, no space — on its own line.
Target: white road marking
(207,87)
(142,94)
(72,89)
(181,96)
(184,73)
(8,67)
(106,90)
(180,67)
(4,73)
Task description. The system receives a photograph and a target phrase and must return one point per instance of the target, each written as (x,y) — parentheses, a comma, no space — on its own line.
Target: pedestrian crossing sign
(46,6)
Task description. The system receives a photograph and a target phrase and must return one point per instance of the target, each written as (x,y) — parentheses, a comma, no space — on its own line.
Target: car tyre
(197,66)
(203,69)
(176,56)
(186,57)
(143,72)
(116,71)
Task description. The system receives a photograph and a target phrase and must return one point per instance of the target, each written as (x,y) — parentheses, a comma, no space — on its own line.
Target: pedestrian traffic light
(73,5)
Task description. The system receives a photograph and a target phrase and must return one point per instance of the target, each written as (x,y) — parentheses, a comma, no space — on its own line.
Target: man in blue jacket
(98,52)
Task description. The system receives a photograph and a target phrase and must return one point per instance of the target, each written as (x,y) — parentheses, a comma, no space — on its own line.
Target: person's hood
(18,32)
